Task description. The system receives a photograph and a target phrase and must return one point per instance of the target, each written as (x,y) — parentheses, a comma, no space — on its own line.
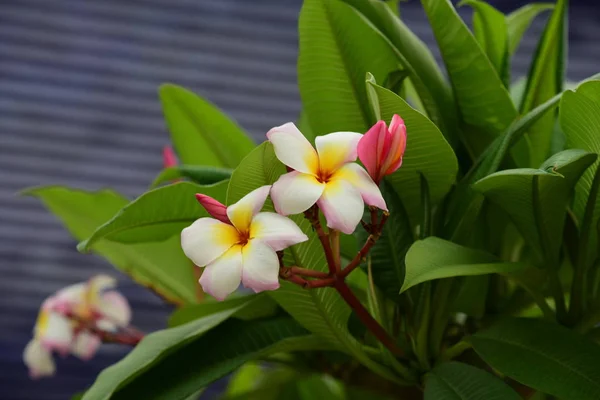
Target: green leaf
(156,215)
(427,153)
(435,258)
(580,121)
(536,199)
(198,174)
(201,133)
(160,266)
(458,381)
(337,48)
(545,80)
(542,355)
(416,59)
(262,306)
(490,30)
(322,311)
(387,256)
(175,363)
(483,100)
(519,20)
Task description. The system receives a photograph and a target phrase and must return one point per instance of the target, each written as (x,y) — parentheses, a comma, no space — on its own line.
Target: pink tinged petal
(397,145)
(295,192)
(169,157)
(207,239)
(293,149)
(85,345)
(261,266)
(213,207)
(115,308)
(67,298)
(336,149)
(370,147)
(276,230)
(223,276)
(360,179)
(241,213)
(38,360)
(55,332)
(342,206)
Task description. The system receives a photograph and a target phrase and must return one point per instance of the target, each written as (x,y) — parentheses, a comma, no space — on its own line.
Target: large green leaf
(490,30)
(161,266)
(321,311)
(580,121)
(544,356)
(157,345)
(536,199)
(199,174)
(545,80)
(483,100)
(435,258)
(427,153)
(175,363)
(416,60)
(201,133)
(519,20)
(337,48)
(458,381)
(387,256)
(156,215)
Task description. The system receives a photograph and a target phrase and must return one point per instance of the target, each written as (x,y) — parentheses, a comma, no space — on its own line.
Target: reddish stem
(311,273)
(312,215)
(371,323)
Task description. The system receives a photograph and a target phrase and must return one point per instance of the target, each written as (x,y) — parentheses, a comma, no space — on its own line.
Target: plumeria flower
(63,323)
(328,177)
(381,149)
(241,247)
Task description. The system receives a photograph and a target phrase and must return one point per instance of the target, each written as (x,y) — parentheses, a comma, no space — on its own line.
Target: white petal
(206,239)
(342,206)
(85,345)
(276,230)
(54,331)
(336,149)
(66,299)
(38,360)
(261,266)
(295,192)
(240,214)
(115,308)
(359,178)
(292,148)
(223,276)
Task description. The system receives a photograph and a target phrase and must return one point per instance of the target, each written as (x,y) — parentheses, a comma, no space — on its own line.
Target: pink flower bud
(216,209)
(381,149)
(169,157)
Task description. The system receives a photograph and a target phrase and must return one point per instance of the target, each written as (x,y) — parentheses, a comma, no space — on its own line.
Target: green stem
(423,320)
(546,249)
(454,351)
(578,285)
(439,321)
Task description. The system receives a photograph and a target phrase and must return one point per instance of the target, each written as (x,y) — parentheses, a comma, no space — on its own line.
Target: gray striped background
(78,107)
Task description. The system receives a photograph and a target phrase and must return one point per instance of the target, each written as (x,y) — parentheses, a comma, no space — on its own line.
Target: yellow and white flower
(242,250)
(62,320)
(327,176)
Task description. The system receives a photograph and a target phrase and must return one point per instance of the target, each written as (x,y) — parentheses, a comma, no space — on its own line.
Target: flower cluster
(74,320)
(239,244)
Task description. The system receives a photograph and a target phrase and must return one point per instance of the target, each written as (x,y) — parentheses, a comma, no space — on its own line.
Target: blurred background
(79,107)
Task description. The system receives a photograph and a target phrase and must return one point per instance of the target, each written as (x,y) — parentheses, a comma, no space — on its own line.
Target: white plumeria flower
(328,177)
(243,251)
(59,326)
